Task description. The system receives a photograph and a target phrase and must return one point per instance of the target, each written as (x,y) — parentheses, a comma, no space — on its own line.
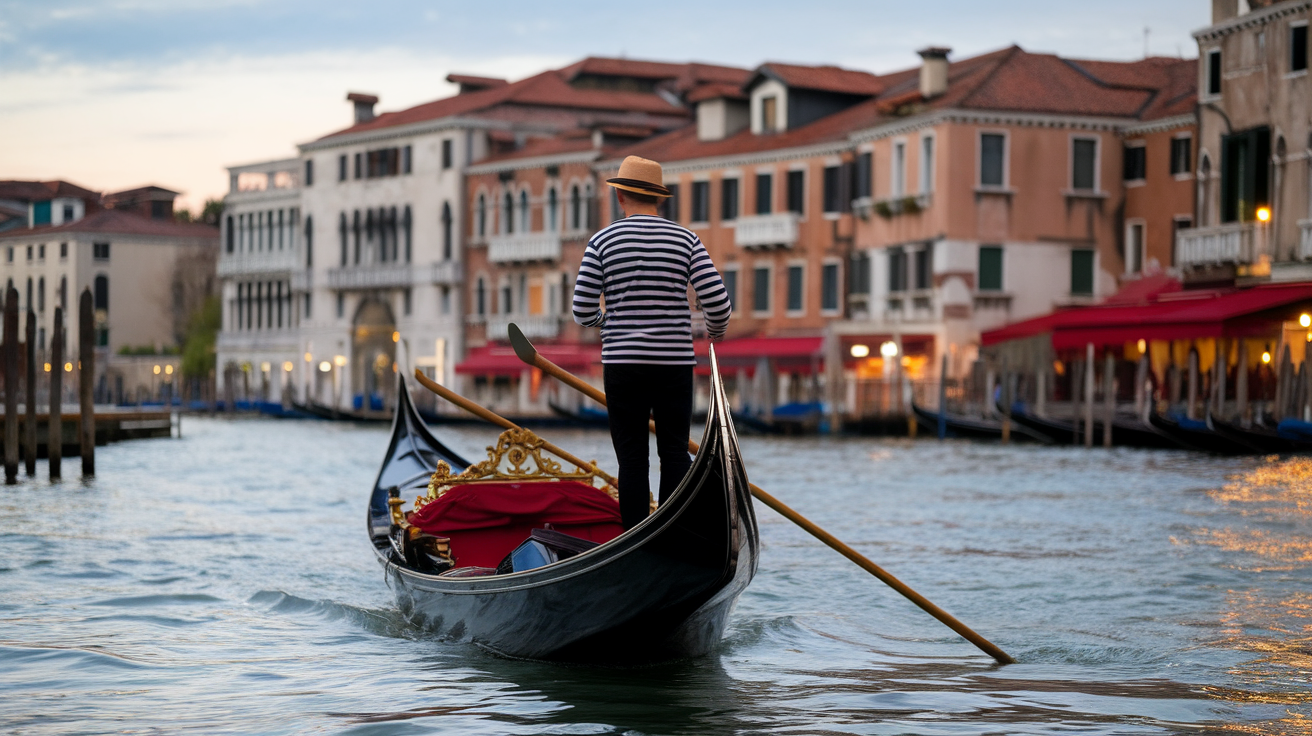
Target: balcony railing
(766,231)
(303,279)
(543,325)
(523,247)
(447,273)
(1236,243)
(371,277)
(241,264)
(1305,240)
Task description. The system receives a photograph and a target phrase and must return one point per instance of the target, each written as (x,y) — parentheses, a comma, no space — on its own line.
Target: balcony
(540,326)
(1305,240)
(388,276)
(447,273)
(766,231)
(1233,244)
(523,247)
(303,280)
(251,263)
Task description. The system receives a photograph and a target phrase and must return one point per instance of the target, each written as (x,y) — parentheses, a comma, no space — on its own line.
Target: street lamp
(888,349)
(860,351)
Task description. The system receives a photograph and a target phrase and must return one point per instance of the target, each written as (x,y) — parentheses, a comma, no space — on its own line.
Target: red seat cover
(485,521)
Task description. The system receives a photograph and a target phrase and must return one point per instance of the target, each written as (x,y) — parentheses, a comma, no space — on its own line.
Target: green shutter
(990,268)
(1082,272)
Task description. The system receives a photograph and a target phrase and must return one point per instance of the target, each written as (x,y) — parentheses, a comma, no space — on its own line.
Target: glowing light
(309,358)
(1266,356)
(168,370)
(860,351)
(1305,319)
(325,366)
(157,370)
(339,360)
(888,349)
(287,366)
(396,336)
(1143,346)
(47,367)
(1264,214)
(264,367)
(68,367)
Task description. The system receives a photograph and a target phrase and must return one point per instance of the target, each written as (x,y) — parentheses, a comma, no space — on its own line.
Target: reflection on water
(222,583)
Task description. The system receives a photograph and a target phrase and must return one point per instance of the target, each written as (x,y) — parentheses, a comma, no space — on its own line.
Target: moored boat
(661,590)
(956,425)
(1200,435)
(1126,432)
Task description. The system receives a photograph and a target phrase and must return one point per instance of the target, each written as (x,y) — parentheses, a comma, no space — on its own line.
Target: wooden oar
(529,354)
(491,416)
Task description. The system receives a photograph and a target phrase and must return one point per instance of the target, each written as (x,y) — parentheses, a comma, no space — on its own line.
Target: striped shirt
(643,265)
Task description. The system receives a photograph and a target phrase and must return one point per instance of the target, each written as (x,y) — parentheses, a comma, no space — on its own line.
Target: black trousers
(636,392)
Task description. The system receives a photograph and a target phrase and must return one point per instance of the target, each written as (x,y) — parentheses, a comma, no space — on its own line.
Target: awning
(798,354)
(500,360)
(1179,315)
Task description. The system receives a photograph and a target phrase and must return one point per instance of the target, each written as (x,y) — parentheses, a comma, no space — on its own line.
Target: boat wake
(378,621)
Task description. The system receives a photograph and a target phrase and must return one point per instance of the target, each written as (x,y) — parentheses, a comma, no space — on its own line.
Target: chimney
(364,106)
(933,71)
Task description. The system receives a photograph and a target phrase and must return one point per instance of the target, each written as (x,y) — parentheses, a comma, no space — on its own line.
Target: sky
(112,94)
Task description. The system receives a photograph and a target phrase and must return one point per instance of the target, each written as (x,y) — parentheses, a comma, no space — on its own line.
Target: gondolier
(641,267)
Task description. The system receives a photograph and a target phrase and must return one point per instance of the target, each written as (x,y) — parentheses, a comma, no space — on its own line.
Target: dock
(113,424)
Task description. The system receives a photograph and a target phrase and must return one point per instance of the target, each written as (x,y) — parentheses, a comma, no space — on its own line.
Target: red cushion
(485,521)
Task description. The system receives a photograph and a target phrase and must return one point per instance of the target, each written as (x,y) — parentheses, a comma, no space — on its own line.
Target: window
(355,236)
(897,270)
(407,162)
(864,171)
(1298,47)
(769,112)
(701,201)
(1214,72)
(9,254)
(796,191)
(796,281)
(405,302)
(764,193)
(446,230)
(1180,222)
(1134,161)
(728,199)
(1084,158)
(341,167)
(408,227)
(480,216)
(382,162)
(992,160)
(926,164)
(230,236)
(1082,272)
(832,194)
(41,213)
(480,297)
(63,250)
(990,268)
(63,293)
(41,252)
(523,211)
(507,304)
(899,173)
(553,211)
(309,172)
(100,251)
(68,213)
(761,290)
(731,287)
(31,251)
(575,216)
(1134,244)
(101,293)
(309,241)
(447,155)
(307,306)
(616,213)
(924,267)
(341,233)
(1181,155)
(858,275)
(829,287)
(669,209)
(341,305)
(1245,177)
(507,213)
(359,165)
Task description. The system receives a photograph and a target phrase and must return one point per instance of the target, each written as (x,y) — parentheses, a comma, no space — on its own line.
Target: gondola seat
(486,520)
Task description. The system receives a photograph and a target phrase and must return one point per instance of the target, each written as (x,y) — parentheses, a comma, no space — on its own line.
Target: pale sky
(112,94)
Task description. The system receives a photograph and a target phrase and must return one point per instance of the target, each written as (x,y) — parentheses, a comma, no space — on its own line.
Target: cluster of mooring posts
(20,379)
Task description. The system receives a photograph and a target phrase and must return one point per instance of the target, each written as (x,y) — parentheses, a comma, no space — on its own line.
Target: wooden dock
(112,425)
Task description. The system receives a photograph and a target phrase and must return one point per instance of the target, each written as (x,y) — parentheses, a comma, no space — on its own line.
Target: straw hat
(642,176)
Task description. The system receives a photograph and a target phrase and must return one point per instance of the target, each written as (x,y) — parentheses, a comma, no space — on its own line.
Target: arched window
(574,213)
(101,293)
(29,303)
(231,236)
(41,294)
(341,230)
(480,216)
(523,211)
(588,206)
(552,206)
(309,241)
(393,231)
(406,227)
(507,302)
(446,231)
(368,233)
(355,232)
(507,214)
(480,297)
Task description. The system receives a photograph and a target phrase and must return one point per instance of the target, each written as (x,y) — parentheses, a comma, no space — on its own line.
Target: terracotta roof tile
(716,90)
(121,222)
(38,191)
(824,78)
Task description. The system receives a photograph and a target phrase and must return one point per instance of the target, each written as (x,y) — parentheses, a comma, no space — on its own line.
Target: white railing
(542,325)
(1305,240)
(303,279)
(760,231)
(1235,243)
(278,261)
(371,277)
(447,272)
(523,247)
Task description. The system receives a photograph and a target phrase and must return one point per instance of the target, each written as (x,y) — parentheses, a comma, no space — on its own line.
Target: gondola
(1266,440)
(960,426)
(581,417)
(1200,435)
(662,590)
(1125,432)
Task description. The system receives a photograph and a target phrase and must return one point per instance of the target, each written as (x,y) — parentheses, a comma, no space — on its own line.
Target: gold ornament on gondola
(517,456)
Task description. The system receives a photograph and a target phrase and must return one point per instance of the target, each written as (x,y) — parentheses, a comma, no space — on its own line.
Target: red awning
(1180,315)
(500,360)
(787,353)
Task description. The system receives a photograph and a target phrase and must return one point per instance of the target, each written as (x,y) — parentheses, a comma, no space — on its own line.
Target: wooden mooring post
(29,402)
(1108,396)
(55,427)
(86,359)
(1088,395)
(11,386)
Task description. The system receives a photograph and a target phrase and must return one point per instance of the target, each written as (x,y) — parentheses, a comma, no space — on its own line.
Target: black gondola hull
(1125,432)
(1205,439)
(662,590)
(958,426)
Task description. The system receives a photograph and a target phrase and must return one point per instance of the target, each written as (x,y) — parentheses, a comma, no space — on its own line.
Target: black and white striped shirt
(643,265)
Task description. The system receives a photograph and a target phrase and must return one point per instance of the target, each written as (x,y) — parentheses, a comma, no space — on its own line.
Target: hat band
(645,186)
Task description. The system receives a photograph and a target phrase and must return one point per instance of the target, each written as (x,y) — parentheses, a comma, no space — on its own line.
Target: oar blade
(523,348)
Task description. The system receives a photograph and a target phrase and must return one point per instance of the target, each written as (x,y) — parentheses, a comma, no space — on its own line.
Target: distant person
(642,265)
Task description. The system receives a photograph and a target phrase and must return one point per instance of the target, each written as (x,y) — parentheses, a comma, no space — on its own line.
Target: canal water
(221,583)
